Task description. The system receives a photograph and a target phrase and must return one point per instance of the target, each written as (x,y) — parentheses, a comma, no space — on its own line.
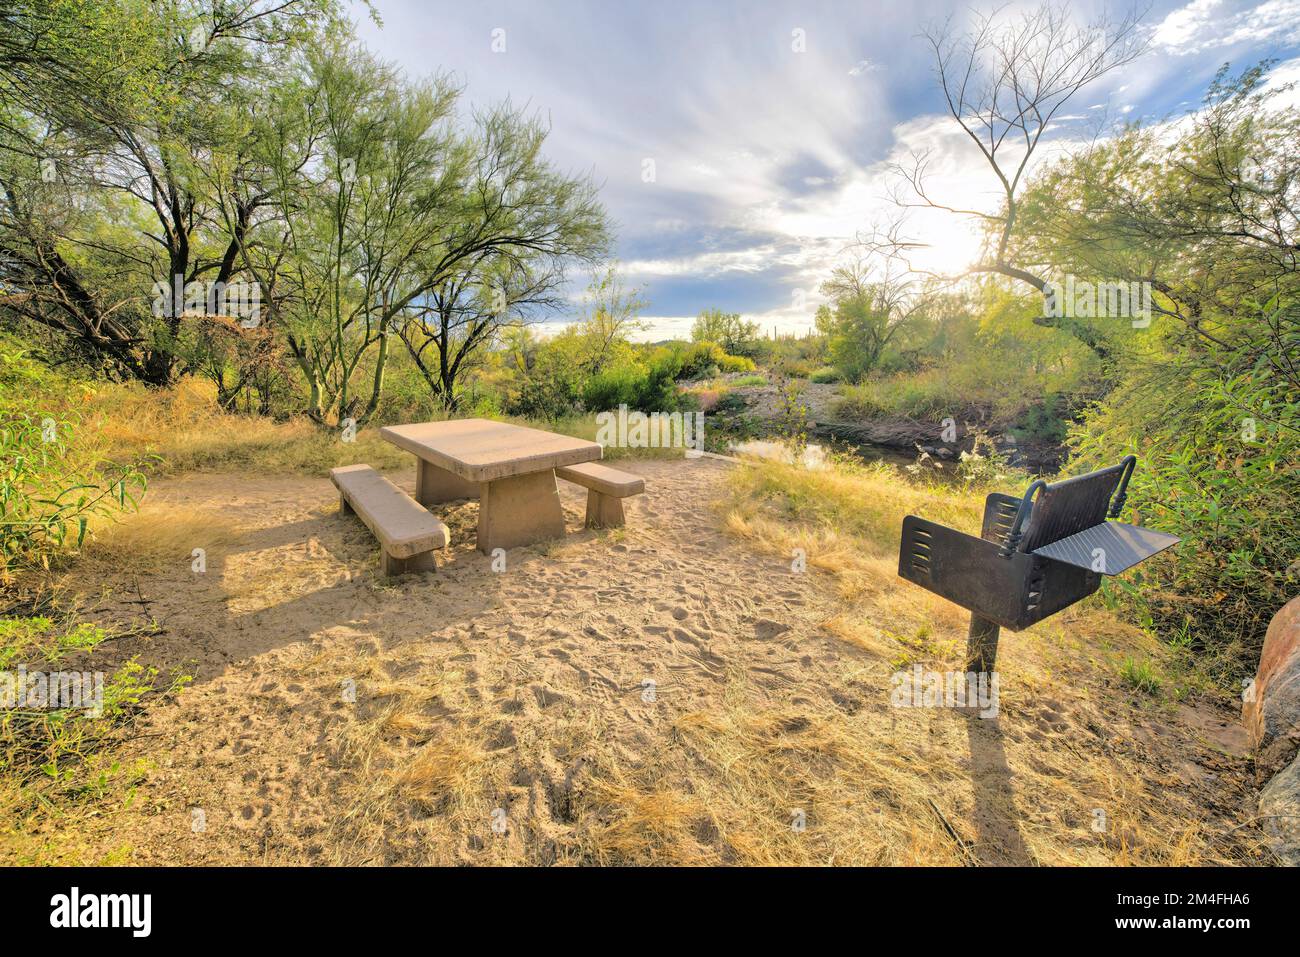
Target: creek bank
(895,436)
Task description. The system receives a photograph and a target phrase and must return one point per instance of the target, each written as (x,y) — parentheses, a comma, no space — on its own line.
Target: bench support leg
(519,510)
(345,507)
(434,485)
(424,562)
(603,511)
(982,645)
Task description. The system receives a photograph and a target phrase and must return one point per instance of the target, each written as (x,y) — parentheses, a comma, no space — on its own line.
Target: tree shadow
(213,619)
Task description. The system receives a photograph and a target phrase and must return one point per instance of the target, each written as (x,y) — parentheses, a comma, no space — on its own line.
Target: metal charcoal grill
(1035,556)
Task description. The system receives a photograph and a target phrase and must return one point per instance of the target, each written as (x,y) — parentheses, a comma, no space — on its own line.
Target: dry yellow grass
(181,429)
(846,522)
(157,536)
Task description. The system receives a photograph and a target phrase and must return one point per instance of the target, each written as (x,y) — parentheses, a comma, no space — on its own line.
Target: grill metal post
(982,645)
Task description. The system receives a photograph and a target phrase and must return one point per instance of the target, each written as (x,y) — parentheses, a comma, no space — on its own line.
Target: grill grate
(1109,548)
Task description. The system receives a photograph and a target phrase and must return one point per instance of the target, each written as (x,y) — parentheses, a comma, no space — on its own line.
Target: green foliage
(1207,396)
(40,637)
(792,418)
(982,359)
(50,745)
(50,489)
(824,376)
(730,364)
(641,387)
(548,389)
(735,335)
(1217,453)
(119,94)
(700,360)
(1043,422)
(1140,676)
(868,311)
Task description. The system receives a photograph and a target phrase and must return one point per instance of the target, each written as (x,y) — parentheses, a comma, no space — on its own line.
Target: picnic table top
(480,450)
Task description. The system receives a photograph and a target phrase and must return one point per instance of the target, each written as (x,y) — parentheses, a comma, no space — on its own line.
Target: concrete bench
(407,532)
(607,487)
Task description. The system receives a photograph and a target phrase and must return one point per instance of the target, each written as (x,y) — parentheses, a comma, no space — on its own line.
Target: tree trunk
(376,392)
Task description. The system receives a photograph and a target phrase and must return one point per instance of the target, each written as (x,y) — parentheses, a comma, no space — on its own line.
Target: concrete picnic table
(510,469)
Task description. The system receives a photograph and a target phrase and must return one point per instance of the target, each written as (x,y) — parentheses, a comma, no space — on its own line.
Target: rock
(1279,808)
(1271,711)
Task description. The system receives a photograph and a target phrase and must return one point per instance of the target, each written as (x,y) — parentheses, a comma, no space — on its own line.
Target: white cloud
(1210,24)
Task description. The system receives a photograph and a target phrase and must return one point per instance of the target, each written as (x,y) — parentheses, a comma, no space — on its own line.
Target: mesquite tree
(397,220)
(114,125)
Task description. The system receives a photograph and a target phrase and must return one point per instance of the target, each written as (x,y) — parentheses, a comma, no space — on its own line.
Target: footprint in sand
(766,629)
(546,697)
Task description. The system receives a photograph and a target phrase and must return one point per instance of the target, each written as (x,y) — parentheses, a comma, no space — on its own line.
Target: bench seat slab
(407,533)
(603,479)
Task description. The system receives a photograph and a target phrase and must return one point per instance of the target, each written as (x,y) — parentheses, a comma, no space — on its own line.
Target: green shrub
(1140,676)
(621,385)
(792,367)
(701,360)
(1217,456)
(737,336)
(729,363)
(1043,422)
(50,745)
(648,388)
(52,479)
(748,381)
(824,375)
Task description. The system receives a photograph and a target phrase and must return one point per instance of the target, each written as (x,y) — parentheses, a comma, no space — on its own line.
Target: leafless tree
(1005,80)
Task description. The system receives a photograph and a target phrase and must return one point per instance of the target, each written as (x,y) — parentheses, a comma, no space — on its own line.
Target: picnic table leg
(434,485)
(519,510)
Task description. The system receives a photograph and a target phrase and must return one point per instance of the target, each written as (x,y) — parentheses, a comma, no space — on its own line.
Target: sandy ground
(577,706)
(280,624)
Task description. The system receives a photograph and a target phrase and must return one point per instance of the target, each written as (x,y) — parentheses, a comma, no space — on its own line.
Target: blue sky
(767,160)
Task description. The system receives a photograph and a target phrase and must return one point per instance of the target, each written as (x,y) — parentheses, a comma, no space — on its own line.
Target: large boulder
(1279,812)
(1271,709)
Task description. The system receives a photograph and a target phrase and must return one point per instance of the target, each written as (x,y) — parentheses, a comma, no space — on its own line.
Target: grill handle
(1017,527)
(1117,503)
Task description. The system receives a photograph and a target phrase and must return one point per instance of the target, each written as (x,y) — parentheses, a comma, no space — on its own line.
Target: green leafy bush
(50,744)
(730,363)
(701,360)
(734,335)
(644,388)
(50,486)
(1217,455)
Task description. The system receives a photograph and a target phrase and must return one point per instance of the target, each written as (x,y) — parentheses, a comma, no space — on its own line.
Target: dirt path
(659,693)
